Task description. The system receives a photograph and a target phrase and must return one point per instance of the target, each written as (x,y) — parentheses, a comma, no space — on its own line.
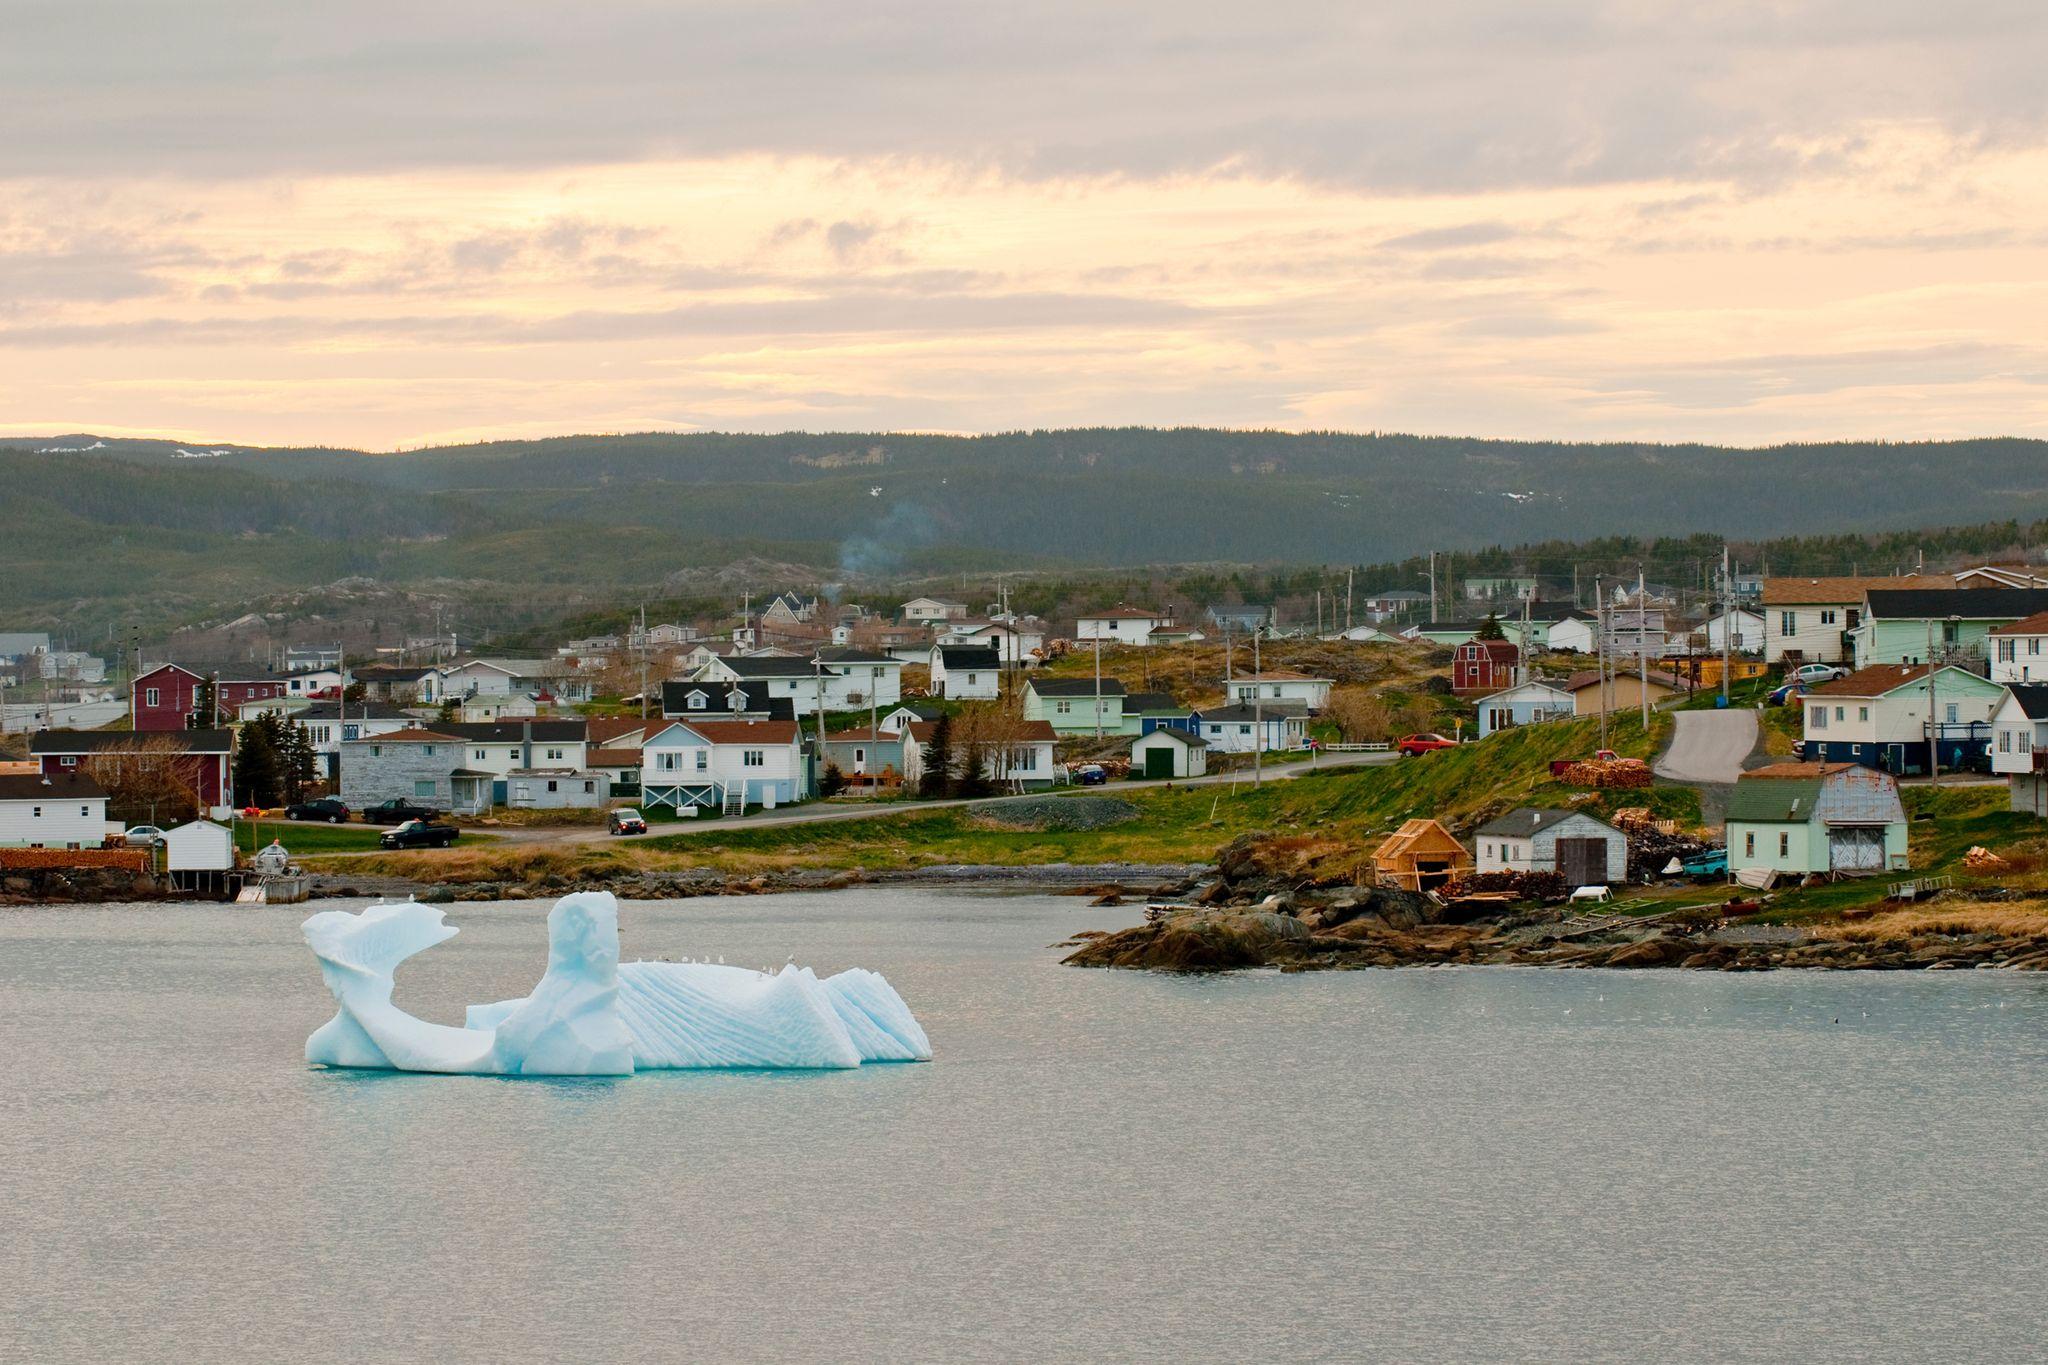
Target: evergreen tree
(202,706)
(938,760)
(833,782)
(1489,629)
(298,761)
(257,764)
(974,773)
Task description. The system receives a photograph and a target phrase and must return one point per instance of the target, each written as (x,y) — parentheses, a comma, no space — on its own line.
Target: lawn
(251,835)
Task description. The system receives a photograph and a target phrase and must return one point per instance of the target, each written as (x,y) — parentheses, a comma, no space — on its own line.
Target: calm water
(1477,1165)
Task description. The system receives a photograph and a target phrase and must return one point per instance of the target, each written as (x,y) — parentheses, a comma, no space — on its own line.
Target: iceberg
(592,1015)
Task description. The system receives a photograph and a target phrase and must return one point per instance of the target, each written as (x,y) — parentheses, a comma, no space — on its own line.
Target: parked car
(1092,775)
(397,811)
(419,834)
(324,808)
(1712,863)
(1813,675)
(627,822)
(144,834)
(1413,745)
(1783,696)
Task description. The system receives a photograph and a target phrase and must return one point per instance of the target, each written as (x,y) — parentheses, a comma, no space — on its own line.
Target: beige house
(1624,691)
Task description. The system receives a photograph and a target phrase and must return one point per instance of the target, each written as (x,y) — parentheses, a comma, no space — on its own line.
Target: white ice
(591,1016)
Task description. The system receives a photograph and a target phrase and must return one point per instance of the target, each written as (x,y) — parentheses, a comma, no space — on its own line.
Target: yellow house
(1624,690)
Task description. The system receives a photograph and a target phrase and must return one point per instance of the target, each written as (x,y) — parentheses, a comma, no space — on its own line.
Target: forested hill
(624,510)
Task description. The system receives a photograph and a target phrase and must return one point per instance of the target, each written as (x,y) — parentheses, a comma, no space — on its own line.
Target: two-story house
(2019,745)
(1076,706)
(1797,819)
(723,765)
(1242,728)
(1280,684)
(927,611)
(1121,625)
(1879,717)
(836,678)
(966,672)
(1903,625)
(38,810)
(197,761)
(1808,620)
(2020,650)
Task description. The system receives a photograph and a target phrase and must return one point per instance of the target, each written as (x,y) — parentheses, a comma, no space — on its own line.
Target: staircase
(736,800)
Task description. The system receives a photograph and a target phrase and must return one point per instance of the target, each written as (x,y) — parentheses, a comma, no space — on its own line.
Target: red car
(1411,745)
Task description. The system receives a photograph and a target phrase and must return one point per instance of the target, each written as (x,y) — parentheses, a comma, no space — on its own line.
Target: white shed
(1168,752)
(201,846)
(1586,851)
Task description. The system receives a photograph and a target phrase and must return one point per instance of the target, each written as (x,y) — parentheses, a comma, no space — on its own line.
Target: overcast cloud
(1495,217)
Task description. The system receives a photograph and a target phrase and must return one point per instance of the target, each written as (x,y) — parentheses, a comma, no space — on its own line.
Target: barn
(1586,851)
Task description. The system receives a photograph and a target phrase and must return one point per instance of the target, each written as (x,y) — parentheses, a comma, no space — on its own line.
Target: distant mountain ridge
(109,518)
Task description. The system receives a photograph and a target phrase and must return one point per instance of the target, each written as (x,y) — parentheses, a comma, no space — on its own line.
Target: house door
(1856,848)
(1499,718)
(1582,862)
(1159,762)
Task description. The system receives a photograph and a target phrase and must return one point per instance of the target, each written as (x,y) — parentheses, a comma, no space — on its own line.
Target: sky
(386,225)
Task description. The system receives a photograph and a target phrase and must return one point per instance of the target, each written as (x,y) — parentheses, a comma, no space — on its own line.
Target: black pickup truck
(419,834)
(397,811)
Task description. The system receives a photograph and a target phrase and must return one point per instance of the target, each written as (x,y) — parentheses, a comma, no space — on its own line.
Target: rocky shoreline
(1254,915)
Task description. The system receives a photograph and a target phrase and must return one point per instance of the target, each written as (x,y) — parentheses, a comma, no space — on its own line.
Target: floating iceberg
(592,1016)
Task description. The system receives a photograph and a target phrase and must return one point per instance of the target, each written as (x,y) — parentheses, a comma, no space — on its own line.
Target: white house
(723,765)
(315,680)
(58,810)
(851,679)
(1239,730)
(924,611)
(1279,684)
(500,748)
(1747,629)
(1573,635)
(2019,745)
(1169,753)
(2020,650)
(1365,635)
(1878,717)
(966,672)
(201,846)
(327,725)
(1020,643)
(501,677)
(1121,625)
(1531,703)
(1586,851)
(1023,760)
(1808,619)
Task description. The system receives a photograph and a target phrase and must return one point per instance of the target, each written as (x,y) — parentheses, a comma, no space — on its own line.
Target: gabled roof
(1534,684)
(1126,614)
(1590,677)
(129,741)
(514,731)
(969,656)
(1800,592)
(1277,675)
(863,736)
(848,654)
(614,758)
(1971,604)
(2037,624)
(1523,823)
(1074,687)
(1191,740)
(1494,649)
(740,731)
(1874,681)
(1147,703)
(771,666)
(56,787)
(2032,697)
(1019,732)
(355,710)
(1267,712)
(717,692)
(412,736)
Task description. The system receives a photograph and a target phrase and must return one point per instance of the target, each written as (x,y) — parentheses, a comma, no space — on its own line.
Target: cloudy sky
(388,224)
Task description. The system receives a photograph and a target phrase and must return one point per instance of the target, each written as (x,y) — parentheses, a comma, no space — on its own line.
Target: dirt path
(1708,747)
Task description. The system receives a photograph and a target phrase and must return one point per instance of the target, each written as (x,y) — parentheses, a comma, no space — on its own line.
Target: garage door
(1583,862)
(1159,761)
(1856,848)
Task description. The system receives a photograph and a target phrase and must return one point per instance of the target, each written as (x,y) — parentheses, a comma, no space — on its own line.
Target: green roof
(1774,798)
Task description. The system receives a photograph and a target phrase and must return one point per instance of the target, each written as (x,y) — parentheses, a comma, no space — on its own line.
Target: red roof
(413,736)
(1873,681)
(614,758)
(2037,624)
(1497,649)
(1126,614)
(1023,732)
(604,729)
(744,731)
(1799,770)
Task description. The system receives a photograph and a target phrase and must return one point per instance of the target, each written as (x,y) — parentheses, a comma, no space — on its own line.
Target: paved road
(1708,746)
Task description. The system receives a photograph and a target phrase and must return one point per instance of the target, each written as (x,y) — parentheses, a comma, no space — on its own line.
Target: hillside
(194,525)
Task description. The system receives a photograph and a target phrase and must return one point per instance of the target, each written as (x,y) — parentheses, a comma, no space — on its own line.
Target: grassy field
(251,835)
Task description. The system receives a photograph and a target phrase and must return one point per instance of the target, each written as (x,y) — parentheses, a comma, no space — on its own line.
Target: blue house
(1157,711)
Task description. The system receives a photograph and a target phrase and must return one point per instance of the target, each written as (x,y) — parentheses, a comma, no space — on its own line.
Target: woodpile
(1982,859)
(1639,820)
(1607,772)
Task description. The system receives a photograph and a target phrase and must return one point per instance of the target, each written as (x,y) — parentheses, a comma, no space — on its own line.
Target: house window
(1827,618)
(376,751)
(67,762)
(590,786)
(1784,843)
(666,762)
(1841,713)
(2005,741)
(2034,646)
(552,785)
(1063,708)
(2005,651)
(1749,844)
(2026,742)
(428,750)
(423,788)
(1244,729)
(753,758)
(483,753)
(1820,717)
(84,811)
(554,753)
(1951,713)
(1863,713)
(1788,623)
(36,813)
(149,696)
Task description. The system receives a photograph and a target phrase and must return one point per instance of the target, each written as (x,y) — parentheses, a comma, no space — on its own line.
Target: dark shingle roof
(969,656)
(128,741)
(56,787)
(1520,824)
(1193,741)
(1268,710)
(2032,697)
(1075,687)
(513,731)
(1974,604)
(1138,702)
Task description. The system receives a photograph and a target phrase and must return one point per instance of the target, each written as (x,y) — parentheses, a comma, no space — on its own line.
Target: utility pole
(1258,715)
(1643,649)
(1727,622)
(818,675)
(643,661)
(1933,730)
(1600,612)
(1432,587)
(1098,685)
(1350,582)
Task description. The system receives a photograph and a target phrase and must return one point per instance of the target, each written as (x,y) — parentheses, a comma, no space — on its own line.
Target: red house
(164,697)
(201,761)
(1482,666)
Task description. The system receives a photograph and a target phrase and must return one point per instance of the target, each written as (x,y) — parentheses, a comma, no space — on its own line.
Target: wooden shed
(1420,856)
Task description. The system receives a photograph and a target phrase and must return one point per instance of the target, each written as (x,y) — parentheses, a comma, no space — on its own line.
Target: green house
(1800,818)
(1077,706)
(1899,624)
